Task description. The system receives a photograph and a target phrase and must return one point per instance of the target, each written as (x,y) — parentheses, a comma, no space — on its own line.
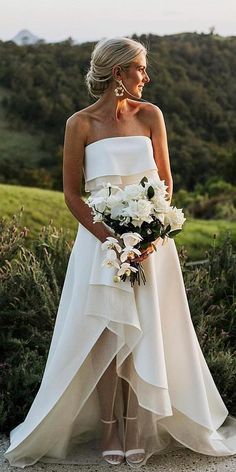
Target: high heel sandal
(115,452)
(132,452)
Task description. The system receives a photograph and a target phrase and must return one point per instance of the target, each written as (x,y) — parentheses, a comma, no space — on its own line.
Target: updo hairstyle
(107,54)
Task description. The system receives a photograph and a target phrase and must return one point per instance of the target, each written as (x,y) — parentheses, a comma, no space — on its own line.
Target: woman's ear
(116,70)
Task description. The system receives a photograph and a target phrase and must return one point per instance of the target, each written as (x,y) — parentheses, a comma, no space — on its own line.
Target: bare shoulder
(151,111)
(154,118)
(78,122)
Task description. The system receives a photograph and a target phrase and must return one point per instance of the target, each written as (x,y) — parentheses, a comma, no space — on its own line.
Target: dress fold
(163,380)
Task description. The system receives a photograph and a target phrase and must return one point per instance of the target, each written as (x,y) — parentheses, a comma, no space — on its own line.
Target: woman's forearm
(169,183)
(84,215)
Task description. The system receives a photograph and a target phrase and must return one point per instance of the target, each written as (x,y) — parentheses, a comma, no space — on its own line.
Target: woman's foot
(111,445)
(133,452)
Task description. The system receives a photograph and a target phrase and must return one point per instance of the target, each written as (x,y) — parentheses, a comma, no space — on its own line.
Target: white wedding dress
(148,330)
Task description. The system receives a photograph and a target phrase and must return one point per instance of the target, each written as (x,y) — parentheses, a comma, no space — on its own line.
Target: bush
(214,200)
(212,300)
(31,281)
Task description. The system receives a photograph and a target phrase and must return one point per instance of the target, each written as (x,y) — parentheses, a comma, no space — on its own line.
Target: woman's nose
(147,79)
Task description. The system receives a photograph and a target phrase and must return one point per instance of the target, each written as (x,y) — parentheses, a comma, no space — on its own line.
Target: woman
(124,365)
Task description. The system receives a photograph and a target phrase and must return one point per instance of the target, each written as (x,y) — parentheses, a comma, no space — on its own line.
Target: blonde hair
(107,54)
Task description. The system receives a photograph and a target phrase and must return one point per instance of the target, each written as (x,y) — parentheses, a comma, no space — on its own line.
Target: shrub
(212,300)
(31,281)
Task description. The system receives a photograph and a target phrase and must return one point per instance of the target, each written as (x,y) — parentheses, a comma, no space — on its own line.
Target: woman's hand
(145,252)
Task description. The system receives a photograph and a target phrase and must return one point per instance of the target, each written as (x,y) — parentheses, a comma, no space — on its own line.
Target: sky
(87,20)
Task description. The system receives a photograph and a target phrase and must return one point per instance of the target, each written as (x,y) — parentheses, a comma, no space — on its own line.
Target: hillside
(21,149)
(192,81)
(42,206)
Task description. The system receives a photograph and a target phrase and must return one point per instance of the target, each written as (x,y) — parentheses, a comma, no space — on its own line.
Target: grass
(197,235)
(41,206)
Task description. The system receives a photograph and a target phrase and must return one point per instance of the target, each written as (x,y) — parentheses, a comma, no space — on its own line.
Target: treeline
(192,81)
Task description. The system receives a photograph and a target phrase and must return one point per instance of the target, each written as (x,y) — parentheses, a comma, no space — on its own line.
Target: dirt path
(178,461)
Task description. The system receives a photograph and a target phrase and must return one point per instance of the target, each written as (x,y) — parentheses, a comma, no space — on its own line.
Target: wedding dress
(146,328)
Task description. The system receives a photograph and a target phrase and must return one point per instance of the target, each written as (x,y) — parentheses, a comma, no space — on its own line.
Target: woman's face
(135,77)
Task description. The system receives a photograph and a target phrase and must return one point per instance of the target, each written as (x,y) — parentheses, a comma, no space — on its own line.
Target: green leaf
(150,192)
(144,179)
(172,234)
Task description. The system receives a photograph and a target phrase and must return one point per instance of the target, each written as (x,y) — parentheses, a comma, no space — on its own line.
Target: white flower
(111,259)
(175,218)
(126,269)
(99,204)
(113,201)
(114,189)
(160,205)
(139,211)
(131,239)
(103,192)
(130,252)
(133,191)
(158,185)
(117,211)
(111,243)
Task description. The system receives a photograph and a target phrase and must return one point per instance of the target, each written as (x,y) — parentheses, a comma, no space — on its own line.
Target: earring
(119,90)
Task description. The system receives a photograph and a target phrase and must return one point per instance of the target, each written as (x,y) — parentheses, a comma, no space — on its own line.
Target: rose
(158,185)
(139,211)
(99,203)
(133,191)
(175,218)
(112,201)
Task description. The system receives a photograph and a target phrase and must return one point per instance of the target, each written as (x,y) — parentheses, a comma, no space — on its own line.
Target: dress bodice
(120,160)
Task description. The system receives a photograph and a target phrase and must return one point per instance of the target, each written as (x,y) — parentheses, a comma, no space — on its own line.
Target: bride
(124,367)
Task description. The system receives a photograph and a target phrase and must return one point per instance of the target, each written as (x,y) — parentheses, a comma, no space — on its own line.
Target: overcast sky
(87,20)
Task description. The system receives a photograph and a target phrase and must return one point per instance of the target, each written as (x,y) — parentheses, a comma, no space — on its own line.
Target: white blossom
(175,218)
(111,243)
(129,252)
(139,211)
(131,239)
(111,259)
(133,191)
(126,269)
(158,185)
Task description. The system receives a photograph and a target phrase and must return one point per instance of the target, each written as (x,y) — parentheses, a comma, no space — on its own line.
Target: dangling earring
(119,90)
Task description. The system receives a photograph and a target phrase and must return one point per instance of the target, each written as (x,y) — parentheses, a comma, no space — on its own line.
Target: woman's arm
(73,157)
(160,146)
(154,118)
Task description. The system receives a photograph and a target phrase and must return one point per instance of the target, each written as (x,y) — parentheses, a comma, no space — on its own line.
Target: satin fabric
(148,331)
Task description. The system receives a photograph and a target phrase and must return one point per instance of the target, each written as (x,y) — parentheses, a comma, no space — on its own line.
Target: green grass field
(42,206)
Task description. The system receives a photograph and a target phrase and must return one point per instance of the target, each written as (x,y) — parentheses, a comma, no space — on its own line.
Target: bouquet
(138,214)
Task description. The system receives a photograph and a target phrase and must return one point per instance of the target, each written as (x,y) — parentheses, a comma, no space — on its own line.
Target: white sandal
(114,452)
(131,452)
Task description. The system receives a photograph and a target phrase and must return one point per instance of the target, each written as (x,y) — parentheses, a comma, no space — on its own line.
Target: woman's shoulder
(150,113)
(146,109)
(150,108)
(78,118)
(78,124)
